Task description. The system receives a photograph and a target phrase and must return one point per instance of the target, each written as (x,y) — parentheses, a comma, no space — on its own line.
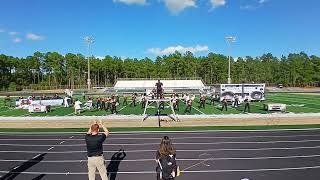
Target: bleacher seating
(150,84)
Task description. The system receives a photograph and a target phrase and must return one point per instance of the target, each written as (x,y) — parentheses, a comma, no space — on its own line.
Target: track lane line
(177,143)
(181,150)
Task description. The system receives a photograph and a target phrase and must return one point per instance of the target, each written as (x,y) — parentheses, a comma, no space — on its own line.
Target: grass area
(219,128)
(296,103)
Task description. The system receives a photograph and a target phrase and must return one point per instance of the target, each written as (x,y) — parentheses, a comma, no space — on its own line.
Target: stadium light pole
(229,40)
(88,40)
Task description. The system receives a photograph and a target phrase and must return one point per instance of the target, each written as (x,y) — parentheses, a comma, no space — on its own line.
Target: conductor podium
(156,103)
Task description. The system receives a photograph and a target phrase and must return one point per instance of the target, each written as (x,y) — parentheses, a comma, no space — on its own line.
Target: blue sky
(147,28)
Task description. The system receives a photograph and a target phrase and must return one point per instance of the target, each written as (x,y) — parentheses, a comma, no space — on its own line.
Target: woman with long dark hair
(166,160)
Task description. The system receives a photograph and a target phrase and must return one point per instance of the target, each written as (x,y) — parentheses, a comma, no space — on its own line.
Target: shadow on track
(15,171)
(113,166)
(39,177)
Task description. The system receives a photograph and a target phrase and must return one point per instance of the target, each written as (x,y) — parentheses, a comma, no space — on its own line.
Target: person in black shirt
(98,103)
(103,104)
(246,105)
(94,141)
(166,160)
(133,97)
(125,100)
(114,106)
(202,101)
(189,106)
(224,104)
(159,88)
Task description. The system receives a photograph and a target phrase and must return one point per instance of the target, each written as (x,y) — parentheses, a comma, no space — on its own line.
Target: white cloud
(129,2)
(179,48)
(254,6)
(176,6)
(35,37)
(248,7)
(2,30)
(17,40)
(262,1)
(12,33)
(218,3)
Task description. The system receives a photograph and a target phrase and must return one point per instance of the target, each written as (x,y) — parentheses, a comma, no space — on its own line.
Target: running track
(223,155)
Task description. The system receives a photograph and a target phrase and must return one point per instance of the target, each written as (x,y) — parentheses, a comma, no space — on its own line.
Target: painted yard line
(177,143)
(304,101)
(70,114)
(183,159)
(308,99)
(122,108)
(27,114)
(181,150)
(198,110)
(280,99)
(153,172)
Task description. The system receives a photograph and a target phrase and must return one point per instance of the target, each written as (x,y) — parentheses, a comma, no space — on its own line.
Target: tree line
(52,70)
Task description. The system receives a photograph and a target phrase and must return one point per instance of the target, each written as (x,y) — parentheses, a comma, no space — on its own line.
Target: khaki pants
(94,163)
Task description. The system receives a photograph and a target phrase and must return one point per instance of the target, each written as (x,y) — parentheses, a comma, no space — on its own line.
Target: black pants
(113,109)
(103,106)
(202,104)
(236,103)
(188,109)
(143,104)
(159,91)
(224,105)
(133,103)
(246,107)
(158,175)
(177,105)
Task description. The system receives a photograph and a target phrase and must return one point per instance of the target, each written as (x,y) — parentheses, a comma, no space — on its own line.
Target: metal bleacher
(171,85)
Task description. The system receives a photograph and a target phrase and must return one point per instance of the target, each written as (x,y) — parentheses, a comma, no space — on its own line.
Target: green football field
(296,103)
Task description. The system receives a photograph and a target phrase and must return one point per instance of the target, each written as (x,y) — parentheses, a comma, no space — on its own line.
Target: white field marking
(182,159)
(298,102)
(198,110)
(201,162)
(70,114)
(177,143)
(61,142)
(302,99)
(122,108)
(177,138)
(181,150)
(51,148)
(130,133)
(153,172)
